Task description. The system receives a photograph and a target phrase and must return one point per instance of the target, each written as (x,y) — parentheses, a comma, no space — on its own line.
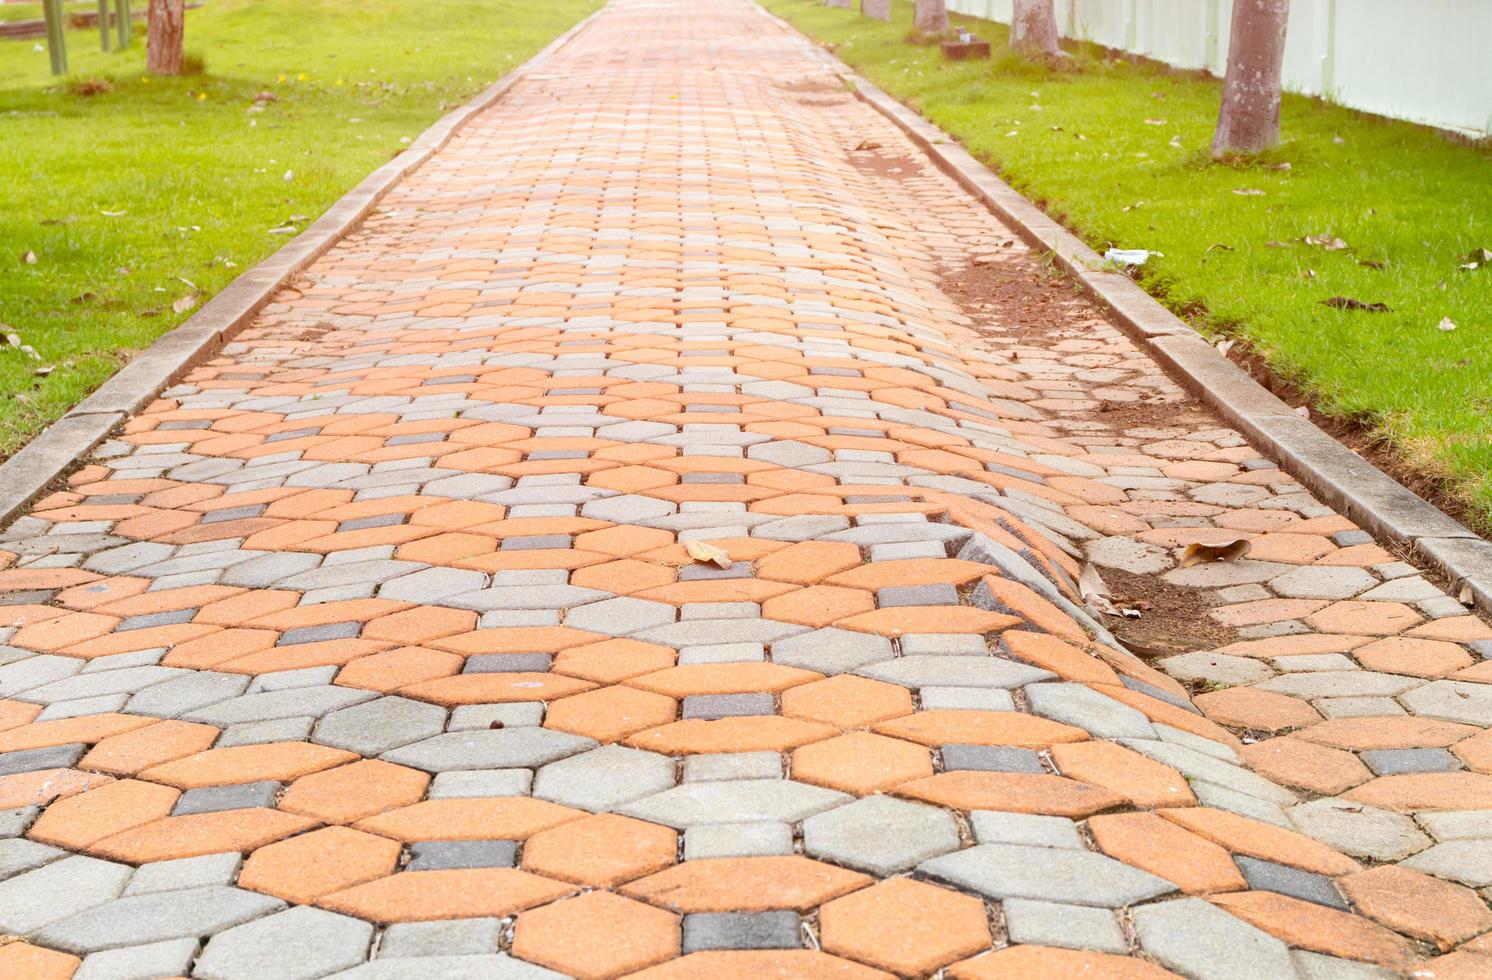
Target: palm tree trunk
(1249,121)
(931,17)
(163,42)
(1033,29)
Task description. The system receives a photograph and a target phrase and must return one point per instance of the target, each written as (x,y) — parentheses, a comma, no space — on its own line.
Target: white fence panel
(1428,61)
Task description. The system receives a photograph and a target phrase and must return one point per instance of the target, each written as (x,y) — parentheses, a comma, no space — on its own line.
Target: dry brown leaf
(185,303)
(1196,554)
(706,553)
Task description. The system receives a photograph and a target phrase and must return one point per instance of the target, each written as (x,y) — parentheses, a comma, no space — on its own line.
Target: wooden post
(56,35)
(122,21)
(103,25)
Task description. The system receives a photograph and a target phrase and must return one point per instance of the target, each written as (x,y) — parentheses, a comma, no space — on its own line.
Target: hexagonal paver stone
(498,966)
(239,796)
(1323,582)
(603,778)
(880,834)
(58,890)
(296,702)
(169,958)
(1197,939)
(1470,704)
(1073,926)
(739,801)
(1359,829)
(932,671)
(831,651)
(1048,874)
(1080,705)
(1216,668)
(1466,861)
(506,748)
(620,616)
(375,727)
(432,585)
(301,942)
(18,855)
(151,918)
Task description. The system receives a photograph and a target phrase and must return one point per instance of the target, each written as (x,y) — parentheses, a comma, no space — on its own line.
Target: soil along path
(385,643)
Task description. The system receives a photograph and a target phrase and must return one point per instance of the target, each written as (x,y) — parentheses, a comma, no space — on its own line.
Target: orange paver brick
(861,763)
(128,753)
(767,733)
(21,959)
(1296,762)
(281,761)
(601,851)
(904,926)
(455,893)
(777,964)
(610,714)
(1243,835)
(1265,711)
(846,701)
(348,793)
(1418,905)
(1153,844)
(484,818)
(79,821)
(747,884)
(303,868)
(1306,925)
(596,935)
(1018,792)
(201,833)
(1142,780)
(1426,791)
(967,727)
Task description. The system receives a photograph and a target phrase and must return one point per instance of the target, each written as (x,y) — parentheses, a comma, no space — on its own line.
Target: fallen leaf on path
(1476,259)
(1094,591)
(112,214)
(1196,554)
(28,257)
(1348,303)
(1446,325)
(1223,346)
(1303,411)
(185,303)
(708,554)
(1220,247)
(867,145)
(1248,192)
(1325,241)
(42,372)
(1372,264)
(1155,122)
(1130,256)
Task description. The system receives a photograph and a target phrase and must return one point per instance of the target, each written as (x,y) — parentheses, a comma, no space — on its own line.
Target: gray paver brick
(1386,762)
(1080,705)
(193,872)
(32,760)
(1466,861)
(498,966)
(241,796)
(139,919)
(18,855)
(1001,827)
(458,784)
(300,942)
(1469,704)
(604,778)
(57,890)
(1050,874)
(442,937)
(434,855)
(519,714)
(742,930)
(880,834)
(967,699)
(710,707)
(374,727)
(168,958)
(1271,877)
(831,651)
(1197,939)
(1358,829)
(737,801)
(186,693)
(732,765)
(754,839)
(507,748)
(991,758)
(923,671)
(1072,926)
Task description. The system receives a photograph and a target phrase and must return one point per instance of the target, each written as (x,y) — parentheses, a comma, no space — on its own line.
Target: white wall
(1429,61)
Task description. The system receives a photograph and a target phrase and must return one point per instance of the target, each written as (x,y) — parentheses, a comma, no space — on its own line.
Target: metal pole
(122,22)
(56,35)
(103,25)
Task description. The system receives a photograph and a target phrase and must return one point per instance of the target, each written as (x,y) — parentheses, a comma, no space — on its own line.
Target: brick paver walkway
(375,645)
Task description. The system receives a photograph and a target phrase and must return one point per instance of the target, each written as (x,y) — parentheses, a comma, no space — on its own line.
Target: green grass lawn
(159,189)
(1118,151)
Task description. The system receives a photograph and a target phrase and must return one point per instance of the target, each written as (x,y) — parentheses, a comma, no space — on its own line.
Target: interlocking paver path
(373,649)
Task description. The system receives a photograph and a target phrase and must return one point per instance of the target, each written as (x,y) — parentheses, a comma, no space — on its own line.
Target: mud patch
(1173,618)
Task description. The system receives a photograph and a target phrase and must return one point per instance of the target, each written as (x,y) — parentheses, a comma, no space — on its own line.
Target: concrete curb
(1336,474)
(66,441)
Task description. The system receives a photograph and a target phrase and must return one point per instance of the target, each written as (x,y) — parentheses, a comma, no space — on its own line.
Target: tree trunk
(1250,118)
(1033,29)
(931,17)
(879,9)
(164,37)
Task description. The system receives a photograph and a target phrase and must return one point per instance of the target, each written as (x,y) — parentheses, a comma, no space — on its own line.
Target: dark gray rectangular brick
(211,799)
(712,706)
(376,520)
(700,573)
(742,930)
(51,757)
(1266,876)
(991,758)
(232,514)
(151,620)
(532,542)
(317,634)
(939,594)
(507,663)
(436,855)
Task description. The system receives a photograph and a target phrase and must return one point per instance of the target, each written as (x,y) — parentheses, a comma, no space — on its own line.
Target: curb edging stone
(1333,472)
(60,445)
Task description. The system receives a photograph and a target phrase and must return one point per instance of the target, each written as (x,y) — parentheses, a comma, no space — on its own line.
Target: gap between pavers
(64,443)
(1350,484)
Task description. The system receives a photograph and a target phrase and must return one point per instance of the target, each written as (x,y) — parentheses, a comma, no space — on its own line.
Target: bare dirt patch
(1173,618)
(1017,293)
